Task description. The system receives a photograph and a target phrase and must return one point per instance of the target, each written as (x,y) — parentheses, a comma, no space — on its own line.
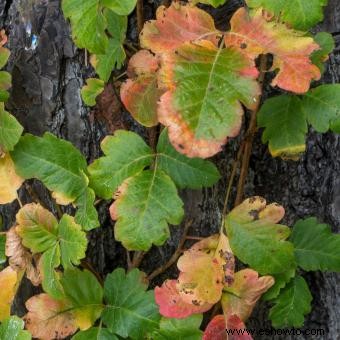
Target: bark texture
(48,73)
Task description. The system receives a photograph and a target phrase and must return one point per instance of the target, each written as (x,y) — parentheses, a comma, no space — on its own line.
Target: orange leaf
(253,35)
(176,25)
(240,298)
(49,319)
(8,285)
(140,94)
(171,305)
(203,267)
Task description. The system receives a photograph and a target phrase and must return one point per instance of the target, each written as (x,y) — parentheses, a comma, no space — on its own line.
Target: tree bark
(48,73)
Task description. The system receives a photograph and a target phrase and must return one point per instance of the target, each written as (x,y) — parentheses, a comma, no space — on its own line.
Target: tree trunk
(48,73)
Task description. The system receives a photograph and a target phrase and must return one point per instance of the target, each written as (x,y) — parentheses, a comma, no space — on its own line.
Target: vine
(197,81)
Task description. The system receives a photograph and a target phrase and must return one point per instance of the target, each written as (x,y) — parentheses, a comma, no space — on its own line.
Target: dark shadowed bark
(48,73)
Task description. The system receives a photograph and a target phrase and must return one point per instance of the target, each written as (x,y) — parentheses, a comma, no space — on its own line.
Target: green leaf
(315,246)
(4,55)
(179,329)
(186,172)
(61,167)
(300,14)
(214,3)
(96,333)
(84,294)
(146,204)
(256,238)
(204,108)
(50,260)
(326,42)
(130,310)
(10,130)
(90,91)
(12,329)
(109,171)
(5,80)
(120,7)
(2,249)
(285,126)
(281,280)
(114,56)
(293,303)
(88,24)
(72,240)
(322,106)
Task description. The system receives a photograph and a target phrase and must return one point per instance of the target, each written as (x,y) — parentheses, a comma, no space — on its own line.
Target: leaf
(88,24)
(60,166)
(315,246)
(326,42)
(12,329)
(10,130)
(193,173)
(202,106)
(130,310)
(252,229)
(144,206)
(120,7)
(203,270)
(2,249)
(86,214)
(5,80)
(115,54)
(214,3)
(293,303)
(37,227)
(10,182)
(300,14)
(84,295)
(176,25)
(240,298)
(284,120)
(8,287)
(109,171)
(322,106)
(97,333)
(4,52)
(291,50)
(172,305)
(140,94)
(49,319)
(185,329)
(91,90)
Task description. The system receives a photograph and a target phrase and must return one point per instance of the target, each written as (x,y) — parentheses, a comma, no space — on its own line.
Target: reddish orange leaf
(171,305)
(240,298)
(202,267)
(49,319)
(255,34)
(236,324)
(176,25)
(8,284)
(140,94)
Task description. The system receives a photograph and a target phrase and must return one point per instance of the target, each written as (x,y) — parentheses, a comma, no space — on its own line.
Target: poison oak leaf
(49,319)
(252,229)
(253,35)
(205,88)
(171,304)
(141,94)
(12,329)
(8,287)
(240,298)
(93,88)
(10,182)
(327,44)
(176,25)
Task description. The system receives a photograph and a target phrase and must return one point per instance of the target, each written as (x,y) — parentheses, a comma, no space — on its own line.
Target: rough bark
(48,73)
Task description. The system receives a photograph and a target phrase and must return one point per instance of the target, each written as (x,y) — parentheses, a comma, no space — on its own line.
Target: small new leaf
(252,229)
(90,91)
(130,310)
(293,303)
(315,246)
(144,206)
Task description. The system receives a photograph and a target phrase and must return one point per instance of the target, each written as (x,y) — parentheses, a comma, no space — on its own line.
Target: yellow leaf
(8,284)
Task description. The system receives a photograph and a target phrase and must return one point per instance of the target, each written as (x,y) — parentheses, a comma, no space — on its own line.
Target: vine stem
(137,259)
(249,137)
(140,15)
(175,255)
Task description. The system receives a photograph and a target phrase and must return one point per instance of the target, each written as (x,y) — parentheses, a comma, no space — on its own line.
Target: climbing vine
(190,84)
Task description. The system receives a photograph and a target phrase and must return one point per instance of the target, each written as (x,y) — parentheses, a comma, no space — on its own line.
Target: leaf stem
(249,137)
(140,15)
